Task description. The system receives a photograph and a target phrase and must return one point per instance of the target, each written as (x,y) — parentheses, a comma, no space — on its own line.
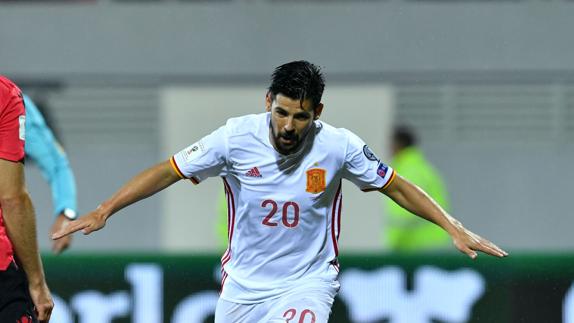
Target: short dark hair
(405,136)
(298,80)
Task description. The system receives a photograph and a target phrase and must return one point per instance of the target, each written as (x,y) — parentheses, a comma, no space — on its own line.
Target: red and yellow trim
(193,179)
(390,180)
(174,165)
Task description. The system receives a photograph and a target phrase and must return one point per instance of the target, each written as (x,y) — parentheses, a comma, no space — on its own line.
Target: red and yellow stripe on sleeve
(390,180)
(179,173)
(174,166)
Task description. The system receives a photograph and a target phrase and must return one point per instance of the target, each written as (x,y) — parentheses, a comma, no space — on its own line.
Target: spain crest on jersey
(316,182)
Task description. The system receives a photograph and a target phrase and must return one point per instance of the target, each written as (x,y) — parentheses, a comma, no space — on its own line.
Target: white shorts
(305,304)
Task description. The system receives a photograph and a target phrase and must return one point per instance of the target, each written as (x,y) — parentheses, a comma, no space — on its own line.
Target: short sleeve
(203,159)
(363,168)
(12,124)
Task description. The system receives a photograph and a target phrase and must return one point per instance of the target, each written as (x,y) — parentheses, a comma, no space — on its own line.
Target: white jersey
(284,210)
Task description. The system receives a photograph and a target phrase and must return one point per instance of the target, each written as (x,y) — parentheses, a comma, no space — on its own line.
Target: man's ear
(268,102)
(318,111)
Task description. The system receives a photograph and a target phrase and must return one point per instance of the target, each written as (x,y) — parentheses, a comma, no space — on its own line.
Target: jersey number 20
(284,214)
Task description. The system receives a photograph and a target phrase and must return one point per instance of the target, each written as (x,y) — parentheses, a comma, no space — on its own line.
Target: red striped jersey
(284,210)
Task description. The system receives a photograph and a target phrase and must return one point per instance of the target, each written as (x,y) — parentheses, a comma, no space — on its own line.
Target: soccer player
(43,148)
(24,294)
(282,171)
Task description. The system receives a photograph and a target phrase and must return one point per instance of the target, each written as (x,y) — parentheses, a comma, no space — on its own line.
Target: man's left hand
(469,243)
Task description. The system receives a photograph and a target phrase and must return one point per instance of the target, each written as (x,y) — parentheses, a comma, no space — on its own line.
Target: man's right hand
(60,245)
(88,223)
(42,300)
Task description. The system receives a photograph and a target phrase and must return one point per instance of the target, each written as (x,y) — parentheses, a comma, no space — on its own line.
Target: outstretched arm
(143,185)
(415,200)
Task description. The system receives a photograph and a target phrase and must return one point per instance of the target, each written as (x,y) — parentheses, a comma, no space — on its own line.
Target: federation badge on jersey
(316,180)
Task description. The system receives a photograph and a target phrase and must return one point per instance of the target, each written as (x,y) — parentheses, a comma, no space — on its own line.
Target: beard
(287,143)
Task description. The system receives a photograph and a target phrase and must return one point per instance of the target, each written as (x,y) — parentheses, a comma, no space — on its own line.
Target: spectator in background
(46,152)
(24,294)
(403,232)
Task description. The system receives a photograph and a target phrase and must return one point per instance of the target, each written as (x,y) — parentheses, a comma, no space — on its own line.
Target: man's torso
(284,211)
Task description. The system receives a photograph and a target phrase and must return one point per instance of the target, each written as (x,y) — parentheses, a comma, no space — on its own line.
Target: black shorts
(16,306)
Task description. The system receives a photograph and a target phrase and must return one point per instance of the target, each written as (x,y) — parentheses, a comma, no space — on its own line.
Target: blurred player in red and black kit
(24,294)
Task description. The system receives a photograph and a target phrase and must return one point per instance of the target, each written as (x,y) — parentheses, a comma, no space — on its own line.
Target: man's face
(290,122)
